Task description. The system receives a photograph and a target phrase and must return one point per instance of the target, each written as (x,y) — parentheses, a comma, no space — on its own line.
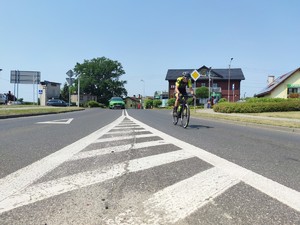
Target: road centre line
(52,188)
(116,149)
(22,178)
(283,194)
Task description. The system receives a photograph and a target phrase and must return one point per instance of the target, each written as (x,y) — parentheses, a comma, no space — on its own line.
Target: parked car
(56,102)
(116,103)
(2,98)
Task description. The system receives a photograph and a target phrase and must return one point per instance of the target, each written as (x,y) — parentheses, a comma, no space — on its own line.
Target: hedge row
(258,107)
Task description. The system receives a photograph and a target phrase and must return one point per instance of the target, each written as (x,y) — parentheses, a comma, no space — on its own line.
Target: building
(133,102)
(282,86)
(48,90)
(83,98)
(163,96)
(223,83)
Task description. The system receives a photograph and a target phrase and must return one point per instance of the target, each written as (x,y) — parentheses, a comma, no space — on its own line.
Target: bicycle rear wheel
(185,116)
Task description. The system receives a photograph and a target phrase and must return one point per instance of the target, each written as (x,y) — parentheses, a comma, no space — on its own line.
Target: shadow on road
(194,126)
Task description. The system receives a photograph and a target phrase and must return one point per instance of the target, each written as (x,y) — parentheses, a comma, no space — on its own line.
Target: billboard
(25,77)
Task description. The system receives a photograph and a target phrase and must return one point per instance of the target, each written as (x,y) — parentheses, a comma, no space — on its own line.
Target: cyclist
(180,88)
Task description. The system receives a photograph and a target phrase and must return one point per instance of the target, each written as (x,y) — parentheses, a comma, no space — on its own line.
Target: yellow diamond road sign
(195,75)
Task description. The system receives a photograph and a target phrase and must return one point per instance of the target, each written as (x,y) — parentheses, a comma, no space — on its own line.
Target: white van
(2,98)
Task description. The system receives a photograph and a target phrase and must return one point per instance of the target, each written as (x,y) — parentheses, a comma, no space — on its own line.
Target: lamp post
(78,91)
(70,74)
(229,80)
(143,92)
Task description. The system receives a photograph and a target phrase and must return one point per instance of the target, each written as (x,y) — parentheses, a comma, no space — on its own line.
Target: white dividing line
(115,149)
(179,200)
(283,194)
(52,188)
(24,177)
(125,137)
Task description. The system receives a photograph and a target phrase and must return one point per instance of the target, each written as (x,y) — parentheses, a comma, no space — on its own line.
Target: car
(2,98)
(116,103)
(56,102)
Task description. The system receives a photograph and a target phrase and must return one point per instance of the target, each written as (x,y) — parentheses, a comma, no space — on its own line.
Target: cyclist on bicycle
(180,88)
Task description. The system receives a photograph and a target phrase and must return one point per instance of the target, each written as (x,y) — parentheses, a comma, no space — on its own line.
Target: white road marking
(116,149)
(125,137)
(283,194)
(22,178)
(52,188)
(62,121)
(179,200)
(15,189)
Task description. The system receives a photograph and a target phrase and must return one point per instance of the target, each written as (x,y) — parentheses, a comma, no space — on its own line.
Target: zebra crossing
(43,180)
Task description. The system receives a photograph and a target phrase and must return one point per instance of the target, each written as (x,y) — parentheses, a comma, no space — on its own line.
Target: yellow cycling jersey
(182,85)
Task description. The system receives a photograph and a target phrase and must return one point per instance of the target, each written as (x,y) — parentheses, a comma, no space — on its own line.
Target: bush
(92,104)
(148,103)
(171,102)
(279,105)
(157,103)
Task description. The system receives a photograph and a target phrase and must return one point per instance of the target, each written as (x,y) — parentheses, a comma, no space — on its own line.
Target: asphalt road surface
(135,167)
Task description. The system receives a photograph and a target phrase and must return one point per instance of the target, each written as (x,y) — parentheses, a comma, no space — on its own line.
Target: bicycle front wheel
(185,116)
(175,118)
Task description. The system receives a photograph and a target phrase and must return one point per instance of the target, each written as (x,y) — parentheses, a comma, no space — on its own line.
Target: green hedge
(278,105)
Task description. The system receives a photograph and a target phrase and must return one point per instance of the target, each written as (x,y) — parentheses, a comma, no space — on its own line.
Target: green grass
(9,110)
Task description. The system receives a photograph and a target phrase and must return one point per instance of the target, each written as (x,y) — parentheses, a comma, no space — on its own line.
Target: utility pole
(228,97)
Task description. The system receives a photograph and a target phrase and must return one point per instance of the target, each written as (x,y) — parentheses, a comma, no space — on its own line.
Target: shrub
(92,104)
(157,103)
(171,102)
(258,107)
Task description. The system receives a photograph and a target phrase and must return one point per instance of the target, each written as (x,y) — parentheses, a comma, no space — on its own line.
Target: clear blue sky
(148,37)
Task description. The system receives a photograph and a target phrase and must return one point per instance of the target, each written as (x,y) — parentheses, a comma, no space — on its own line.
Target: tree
(202,92)
(64,94)
(101,77)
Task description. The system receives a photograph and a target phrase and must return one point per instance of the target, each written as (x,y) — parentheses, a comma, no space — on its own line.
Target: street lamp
(143,92)
(229,80)
(78,91)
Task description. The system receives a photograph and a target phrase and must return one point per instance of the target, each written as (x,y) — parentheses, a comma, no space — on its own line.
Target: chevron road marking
(179,200)
(52,188)
(17,190)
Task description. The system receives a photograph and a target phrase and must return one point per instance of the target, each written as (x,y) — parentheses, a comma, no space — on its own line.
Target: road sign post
(70,80)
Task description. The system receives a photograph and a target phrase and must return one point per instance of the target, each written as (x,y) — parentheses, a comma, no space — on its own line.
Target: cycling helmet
(186,74)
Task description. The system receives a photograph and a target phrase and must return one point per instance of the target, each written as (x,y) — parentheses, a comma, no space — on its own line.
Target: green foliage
(64,93)
(202,92)
(92,104)
(255,100)
(171,101)
(258,106)
(222,100)
(101,77)
(190,101)
(148,103)
(157,103)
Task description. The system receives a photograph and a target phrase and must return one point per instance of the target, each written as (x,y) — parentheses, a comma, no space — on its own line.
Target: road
(135,167)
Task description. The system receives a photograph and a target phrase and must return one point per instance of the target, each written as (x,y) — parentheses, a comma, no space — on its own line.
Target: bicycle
(183,111)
